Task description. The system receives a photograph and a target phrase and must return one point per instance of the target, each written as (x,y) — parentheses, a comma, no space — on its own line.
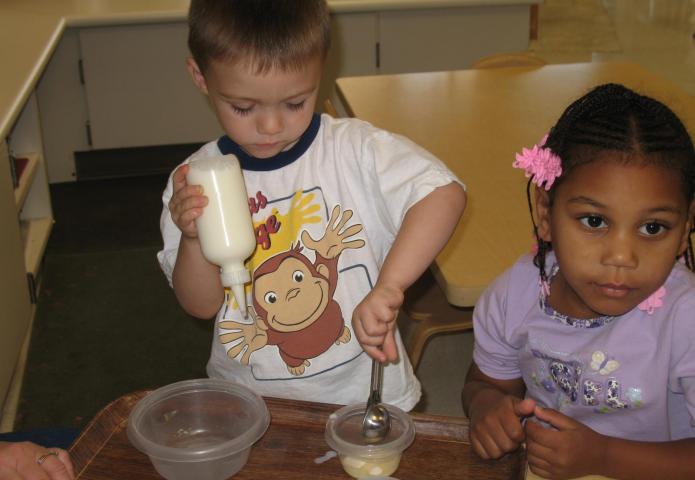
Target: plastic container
(361,459)
(225,229)
(198,429)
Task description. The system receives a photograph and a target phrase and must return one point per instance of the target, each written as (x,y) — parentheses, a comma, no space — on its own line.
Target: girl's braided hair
(613,117)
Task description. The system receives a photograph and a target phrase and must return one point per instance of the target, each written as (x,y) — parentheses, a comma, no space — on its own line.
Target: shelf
(26,178)
(35,233)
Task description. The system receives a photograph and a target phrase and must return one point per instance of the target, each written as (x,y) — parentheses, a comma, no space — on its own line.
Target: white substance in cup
(361,468)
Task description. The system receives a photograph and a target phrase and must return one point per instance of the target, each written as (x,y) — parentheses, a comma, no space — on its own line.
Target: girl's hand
(496,427)
(573,450)
(186,203)
(374,320)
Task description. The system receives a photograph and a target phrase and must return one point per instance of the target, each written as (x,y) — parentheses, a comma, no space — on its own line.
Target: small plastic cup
(359,458)
(201,429)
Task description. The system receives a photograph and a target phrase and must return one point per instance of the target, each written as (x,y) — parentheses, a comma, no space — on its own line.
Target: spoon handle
(377,380)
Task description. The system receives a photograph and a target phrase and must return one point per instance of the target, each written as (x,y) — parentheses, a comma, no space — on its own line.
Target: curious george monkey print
(293,300)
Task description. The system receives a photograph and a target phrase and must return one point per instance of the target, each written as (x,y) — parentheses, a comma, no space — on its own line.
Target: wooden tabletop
(289,447)
(475,121)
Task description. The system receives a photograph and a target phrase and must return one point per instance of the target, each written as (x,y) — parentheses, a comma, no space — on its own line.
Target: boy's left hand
(573,450)
(374,320)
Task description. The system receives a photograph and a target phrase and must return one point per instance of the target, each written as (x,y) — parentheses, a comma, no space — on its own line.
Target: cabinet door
(353,45)
(15,306)
(63,109)
(138,89)
(353,51)
(421,40)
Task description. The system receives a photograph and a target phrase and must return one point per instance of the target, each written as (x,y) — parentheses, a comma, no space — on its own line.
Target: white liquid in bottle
(225,228)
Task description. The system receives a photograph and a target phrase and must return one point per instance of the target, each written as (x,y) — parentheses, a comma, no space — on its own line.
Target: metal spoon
(377,421)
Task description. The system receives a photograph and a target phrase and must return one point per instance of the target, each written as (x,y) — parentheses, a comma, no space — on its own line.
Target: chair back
(329,108)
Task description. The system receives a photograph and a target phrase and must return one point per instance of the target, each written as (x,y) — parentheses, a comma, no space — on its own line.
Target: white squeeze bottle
(225,228)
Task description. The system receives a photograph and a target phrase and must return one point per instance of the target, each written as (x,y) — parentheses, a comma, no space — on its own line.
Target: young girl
(592,339)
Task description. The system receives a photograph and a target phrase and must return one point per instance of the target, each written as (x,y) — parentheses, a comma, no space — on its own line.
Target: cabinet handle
(31,281)
(88,131)
(80,69)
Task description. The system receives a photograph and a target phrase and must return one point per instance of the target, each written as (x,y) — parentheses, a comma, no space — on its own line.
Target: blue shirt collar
(282,159)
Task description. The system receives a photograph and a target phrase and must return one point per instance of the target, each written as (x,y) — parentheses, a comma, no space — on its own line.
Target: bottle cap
(234,276)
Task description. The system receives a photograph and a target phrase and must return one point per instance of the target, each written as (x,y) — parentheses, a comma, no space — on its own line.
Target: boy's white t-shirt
(339,166)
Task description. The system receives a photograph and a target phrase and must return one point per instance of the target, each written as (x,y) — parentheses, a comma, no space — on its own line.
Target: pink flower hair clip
(540,163)
(654,301)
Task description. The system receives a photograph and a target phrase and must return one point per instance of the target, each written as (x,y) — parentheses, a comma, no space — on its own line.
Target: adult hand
(570,450)
(29,461)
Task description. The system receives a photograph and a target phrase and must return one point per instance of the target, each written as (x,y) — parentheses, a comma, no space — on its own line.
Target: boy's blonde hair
(263,34)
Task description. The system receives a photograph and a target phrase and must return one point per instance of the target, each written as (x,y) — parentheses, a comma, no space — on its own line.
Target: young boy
(346,216)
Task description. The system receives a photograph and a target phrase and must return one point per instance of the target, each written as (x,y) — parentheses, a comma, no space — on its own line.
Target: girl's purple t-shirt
(631,376)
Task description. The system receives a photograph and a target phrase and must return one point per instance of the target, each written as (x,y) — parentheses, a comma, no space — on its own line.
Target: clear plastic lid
(197,420)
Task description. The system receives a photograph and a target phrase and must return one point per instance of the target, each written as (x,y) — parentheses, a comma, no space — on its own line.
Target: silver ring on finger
(50,453)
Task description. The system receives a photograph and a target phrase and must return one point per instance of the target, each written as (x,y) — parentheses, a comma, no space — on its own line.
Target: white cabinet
(353,50)
(126,86)
(27,219)
(63,111)
(437,39)
(138,89)
(353,45)
(139,92)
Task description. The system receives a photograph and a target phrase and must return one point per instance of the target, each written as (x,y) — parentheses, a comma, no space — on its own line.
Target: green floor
(107,322)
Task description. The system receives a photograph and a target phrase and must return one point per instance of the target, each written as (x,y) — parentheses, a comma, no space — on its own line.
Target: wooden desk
(289,447)
(475,121)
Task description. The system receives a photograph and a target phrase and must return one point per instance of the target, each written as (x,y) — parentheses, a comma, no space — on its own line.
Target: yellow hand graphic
(334,241)
(253,337)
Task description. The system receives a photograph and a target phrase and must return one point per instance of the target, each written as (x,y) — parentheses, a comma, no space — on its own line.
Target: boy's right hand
(496,427)
(187,203)
(374,321)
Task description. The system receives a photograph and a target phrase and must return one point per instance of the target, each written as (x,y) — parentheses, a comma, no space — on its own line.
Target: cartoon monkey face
(294,295)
